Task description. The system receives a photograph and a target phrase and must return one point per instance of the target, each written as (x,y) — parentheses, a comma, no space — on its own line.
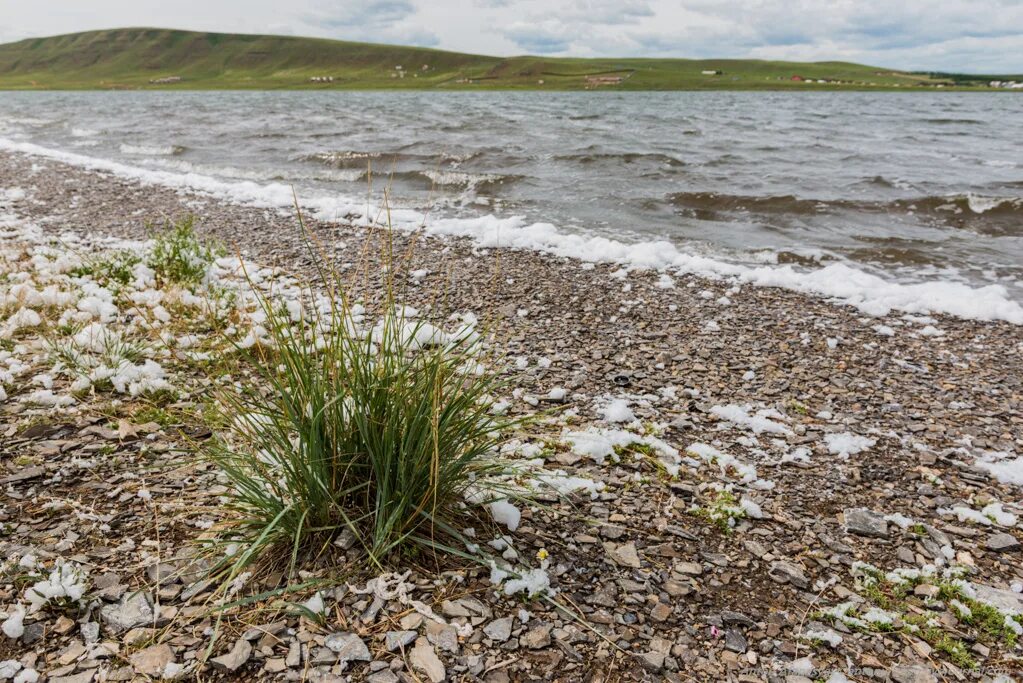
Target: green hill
(134,58)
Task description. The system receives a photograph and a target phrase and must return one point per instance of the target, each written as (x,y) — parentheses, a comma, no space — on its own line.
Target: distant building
(711,72)
(597,81)
(798,78)
(165,80)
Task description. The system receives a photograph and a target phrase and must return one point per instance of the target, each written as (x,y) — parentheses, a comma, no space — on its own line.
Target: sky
(983,36)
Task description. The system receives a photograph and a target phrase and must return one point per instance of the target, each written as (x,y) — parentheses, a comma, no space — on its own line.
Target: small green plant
(180,256)
(722,510)
(953,648)
(116,268)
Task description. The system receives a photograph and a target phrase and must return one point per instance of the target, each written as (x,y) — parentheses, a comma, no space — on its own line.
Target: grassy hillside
(136,57)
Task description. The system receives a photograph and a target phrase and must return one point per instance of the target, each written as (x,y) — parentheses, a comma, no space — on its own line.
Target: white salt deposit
(617,410)
(762,421)
(505,513)
(844,444)
(1003,466)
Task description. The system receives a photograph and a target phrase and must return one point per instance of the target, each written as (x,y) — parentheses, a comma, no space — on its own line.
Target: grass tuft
(379,433)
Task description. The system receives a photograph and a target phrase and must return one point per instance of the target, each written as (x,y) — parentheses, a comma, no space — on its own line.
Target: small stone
(913,674)
(399,640)
(162,573)
(234,659)
(864,522)
(661,611)
(423,658)
(81,677)
(537,638)
(652,661)
(135,609)
(624,555)
(153,660)
(689,568)
(737,618)
(735,641)
(385,676)
(63,625)
(499,630)
(444,636)
(1003,543)
(348,646)
(275,665)
(90,632)
(786,572)
(294,656)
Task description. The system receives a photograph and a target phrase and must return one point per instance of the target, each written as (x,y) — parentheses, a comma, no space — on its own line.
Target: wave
(621,157)
(357,159)
(465,179)
(83,132)
(870,293)
(152,150)
(710,205)
(952,121)
(983,214)
(261,174)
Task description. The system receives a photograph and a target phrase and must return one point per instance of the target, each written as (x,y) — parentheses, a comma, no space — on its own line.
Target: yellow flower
(542,554)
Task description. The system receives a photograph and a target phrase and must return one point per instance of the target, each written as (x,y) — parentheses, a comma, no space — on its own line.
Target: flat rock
(735,641)
(913,674)
(1003,543)
(864,522)
(424,659)
(81,677)
(537,638)
(787,572)
(399,640)
(153,660)
(134,609)
(689,568)
(499,630)
(235,659)
(383,676)
(624,555)
(348,646)
(652,661)
(1005,600)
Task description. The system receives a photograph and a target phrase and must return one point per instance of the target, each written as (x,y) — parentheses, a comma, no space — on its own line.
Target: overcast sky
(955,35)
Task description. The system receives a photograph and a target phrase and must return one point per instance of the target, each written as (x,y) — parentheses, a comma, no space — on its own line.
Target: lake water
(911,186)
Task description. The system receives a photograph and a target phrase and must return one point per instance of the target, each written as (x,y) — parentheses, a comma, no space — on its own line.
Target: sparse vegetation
(180,256)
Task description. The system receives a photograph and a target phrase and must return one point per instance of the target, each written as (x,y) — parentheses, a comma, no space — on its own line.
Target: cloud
(537,40)
(372,21)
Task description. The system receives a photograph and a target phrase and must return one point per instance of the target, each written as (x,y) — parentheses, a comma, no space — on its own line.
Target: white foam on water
(869,293)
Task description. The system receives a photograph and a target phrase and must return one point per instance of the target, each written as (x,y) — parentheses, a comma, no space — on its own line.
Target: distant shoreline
(173,60)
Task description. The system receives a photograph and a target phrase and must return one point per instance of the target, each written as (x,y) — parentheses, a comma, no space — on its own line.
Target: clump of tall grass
(180,256)
(374,431)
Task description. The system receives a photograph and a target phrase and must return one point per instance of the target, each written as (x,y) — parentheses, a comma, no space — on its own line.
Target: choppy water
(912,185)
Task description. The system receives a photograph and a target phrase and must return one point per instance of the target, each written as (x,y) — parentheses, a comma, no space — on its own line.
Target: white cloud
(961,35)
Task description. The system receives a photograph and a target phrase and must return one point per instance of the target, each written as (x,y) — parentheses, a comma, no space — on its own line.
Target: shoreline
(713,364)
(871,294)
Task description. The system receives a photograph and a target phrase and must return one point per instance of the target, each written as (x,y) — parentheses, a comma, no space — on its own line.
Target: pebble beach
(769,486)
